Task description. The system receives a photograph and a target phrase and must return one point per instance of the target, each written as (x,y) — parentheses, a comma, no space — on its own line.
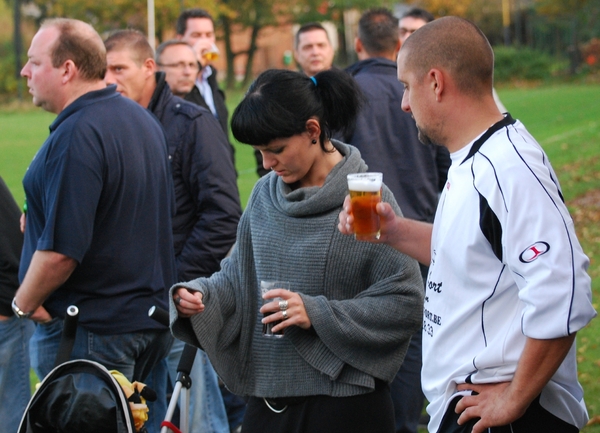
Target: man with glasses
(178,61)
(206,194)
(413,20)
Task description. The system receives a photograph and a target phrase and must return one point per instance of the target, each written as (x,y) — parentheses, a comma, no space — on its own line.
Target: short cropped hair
(280,102)
(80,43)
(132,40)
(419,13)
(456,45)
(181,25)
(378,31)
(170,43)
(309,27)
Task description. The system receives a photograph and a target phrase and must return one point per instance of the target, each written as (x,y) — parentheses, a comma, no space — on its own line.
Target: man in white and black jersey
(507,288)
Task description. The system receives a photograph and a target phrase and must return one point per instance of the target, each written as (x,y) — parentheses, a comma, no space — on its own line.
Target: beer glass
(265,286)
(365,193)
(212,53)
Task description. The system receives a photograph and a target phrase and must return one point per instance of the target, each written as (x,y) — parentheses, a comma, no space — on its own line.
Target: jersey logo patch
(532,252)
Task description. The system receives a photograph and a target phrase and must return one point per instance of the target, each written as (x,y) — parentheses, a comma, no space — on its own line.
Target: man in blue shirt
(99,196)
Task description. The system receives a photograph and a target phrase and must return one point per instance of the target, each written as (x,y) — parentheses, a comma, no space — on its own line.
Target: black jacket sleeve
(11,243)
(211,178)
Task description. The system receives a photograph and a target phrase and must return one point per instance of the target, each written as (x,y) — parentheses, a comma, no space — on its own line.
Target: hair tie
(314,80)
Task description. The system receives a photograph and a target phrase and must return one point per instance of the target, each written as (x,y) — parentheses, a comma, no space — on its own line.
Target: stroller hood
(78,396)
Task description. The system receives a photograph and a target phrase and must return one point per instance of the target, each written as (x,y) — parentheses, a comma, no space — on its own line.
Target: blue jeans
(406,390)
(15,388)
(133,354)
(207,411)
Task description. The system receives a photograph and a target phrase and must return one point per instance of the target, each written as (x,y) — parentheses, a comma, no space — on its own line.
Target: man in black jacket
(207,199)
(14,332)
(387,139)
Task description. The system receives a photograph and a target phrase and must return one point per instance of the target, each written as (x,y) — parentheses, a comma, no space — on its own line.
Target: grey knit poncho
(364,300)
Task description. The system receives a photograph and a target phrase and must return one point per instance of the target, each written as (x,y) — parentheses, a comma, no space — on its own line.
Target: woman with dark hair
(351,306)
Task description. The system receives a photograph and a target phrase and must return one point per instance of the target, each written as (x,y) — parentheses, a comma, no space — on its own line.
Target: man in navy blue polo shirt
(98,225)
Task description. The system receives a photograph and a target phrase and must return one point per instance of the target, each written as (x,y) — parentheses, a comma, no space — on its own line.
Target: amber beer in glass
(212,54)
(365,193)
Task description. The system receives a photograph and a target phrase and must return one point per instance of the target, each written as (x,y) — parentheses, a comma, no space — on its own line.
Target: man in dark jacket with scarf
(387,139)
(206,194)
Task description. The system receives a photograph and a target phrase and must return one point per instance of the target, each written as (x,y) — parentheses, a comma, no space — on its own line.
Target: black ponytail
(279,102)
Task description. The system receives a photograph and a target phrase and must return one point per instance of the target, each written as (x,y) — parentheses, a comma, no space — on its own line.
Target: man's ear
(150,65)
(358,46)
(437,83)
(69,71)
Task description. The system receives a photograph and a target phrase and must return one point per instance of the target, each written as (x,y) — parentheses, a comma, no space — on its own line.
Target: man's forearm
(412,238)
(538,363)
(47,271)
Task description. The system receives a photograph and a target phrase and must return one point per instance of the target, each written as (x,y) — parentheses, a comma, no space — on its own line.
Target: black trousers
(535,420)
(365,413)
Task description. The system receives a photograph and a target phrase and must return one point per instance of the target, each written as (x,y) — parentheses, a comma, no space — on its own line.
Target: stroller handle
(188,355)
(67,339)
(159,314)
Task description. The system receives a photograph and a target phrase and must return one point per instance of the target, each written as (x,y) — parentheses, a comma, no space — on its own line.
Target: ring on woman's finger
(283,305)
(177,300)
(284,314)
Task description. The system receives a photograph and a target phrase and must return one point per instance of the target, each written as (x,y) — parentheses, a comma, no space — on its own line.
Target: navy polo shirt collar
(85,99)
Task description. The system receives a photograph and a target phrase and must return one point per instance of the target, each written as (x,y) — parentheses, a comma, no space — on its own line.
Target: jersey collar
(508,120)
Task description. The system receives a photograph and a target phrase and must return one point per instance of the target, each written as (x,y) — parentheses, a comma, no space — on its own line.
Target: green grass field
(565,120)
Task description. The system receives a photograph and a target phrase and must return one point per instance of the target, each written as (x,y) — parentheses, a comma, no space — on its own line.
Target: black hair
(378,31)
(181,25)
(279,103)
(419,13)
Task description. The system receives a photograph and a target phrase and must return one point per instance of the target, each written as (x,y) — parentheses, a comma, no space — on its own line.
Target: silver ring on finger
(177,300)
(284,314)
(283,305)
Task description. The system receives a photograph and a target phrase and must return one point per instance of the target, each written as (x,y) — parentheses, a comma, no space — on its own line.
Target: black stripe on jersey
(508,120)
(483,309)
(490,226)
(489,223)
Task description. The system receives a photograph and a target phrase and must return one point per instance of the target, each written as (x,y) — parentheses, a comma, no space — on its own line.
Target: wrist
(18,312)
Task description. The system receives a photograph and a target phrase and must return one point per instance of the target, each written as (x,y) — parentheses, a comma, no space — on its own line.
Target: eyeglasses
(194,66)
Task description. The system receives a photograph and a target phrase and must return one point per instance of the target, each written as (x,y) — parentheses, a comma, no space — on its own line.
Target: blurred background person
(197,28)
(412,21)
(178,61)
(206,195)
(313,51)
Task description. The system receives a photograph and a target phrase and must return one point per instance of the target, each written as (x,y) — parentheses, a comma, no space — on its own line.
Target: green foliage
(516,64)
(8,80)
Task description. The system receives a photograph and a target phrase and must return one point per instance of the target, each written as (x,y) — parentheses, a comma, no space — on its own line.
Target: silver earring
(314,142)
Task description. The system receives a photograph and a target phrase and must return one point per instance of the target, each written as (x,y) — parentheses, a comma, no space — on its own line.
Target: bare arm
(410,237)
(47,271)
(502,403)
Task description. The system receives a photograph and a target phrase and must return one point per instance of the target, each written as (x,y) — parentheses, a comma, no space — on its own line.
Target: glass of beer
(265,286)
(365,193)
(211,54)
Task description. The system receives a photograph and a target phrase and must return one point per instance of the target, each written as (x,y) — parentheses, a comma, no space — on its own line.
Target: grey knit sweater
(364,300)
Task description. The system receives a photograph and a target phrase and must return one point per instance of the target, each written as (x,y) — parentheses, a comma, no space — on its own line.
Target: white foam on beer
(366,185)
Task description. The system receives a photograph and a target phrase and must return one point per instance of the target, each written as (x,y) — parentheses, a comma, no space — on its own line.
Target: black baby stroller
(82,396)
